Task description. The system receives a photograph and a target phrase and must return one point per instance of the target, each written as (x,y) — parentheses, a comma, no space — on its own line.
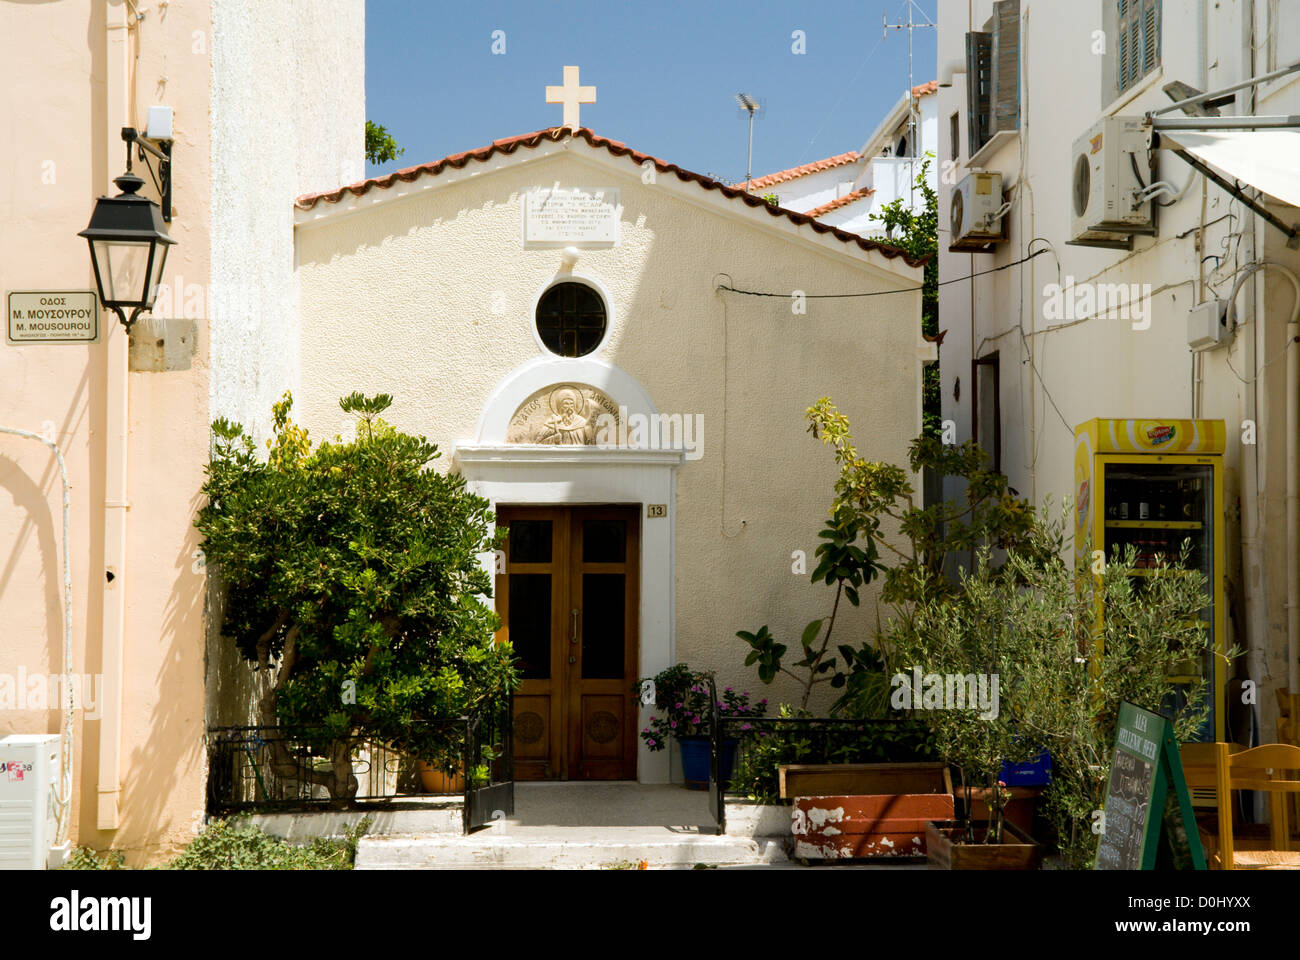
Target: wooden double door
(568,599)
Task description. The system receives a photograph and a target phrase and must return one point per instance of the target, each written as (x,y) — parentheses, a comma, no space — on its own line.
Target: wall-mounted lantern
(128,241)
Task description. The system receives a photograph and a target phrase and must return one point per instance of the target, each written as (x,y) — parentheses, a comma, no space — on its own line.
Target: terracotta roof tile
(843,201)
(925,89)
(530,141)
(794,173)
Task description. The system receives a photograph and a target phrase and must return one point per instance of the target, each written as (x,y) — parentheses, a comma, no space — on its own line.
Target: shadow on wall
(170,752)
(32,502)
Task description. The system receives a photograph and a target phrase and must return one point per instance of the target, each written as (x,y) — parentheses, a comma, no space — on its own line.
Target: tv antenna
(910,26)
(750,106)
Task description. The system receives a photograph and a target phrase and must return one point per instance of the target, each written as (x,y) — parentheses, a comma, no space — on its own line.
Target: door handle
(574,638)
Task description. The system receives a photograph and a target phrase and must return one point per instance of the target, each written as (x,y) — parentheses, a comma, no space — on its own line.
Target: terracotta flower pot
(434,780)
(944,848)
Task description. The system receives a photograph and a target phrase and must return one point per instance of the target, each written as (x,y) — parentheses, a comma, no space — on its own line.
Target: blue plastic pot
(695,761)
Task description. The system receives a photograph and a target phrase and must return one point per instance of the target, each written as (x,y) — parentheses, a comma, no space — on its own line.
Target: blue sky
(666,74)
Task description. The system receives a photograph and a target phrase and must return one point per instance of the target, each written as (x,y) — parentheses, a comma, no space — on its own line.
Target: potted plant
(1025,627)
(683,712)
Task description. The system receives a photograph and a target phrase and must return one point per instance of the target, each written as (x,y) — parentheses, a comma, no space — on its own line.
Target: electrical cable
(882,293)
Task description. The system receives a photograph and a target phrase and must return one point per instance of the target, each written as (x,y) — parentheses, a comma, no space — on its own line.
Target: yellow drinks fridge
(1152,484)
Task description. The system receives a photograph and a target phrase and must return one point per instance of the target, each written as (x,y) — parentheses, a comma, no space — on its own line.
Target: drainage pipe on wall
(1292,350)
(63,796)
(117,98)
(1293,504)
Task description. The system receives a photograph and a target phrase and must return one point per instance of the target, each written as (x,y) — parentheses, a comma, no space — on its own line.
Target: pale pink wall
(63,105)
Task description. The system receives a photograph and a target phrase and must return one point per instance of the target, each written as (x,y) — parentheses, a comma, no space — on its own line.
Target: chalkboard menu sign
(1148,818)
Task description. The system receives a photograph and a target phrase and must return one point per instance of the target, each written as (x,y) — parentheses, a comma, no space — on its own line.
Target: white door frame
(546,475)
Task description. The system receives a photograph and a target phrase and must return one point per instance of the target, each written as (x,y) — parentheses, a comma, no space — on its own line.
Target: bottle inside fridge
(1159,510)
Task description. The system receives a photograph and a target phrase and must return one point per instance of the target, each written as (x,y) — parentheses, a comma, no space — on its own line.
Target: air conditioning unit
(974,215)
(1111,165)
(29,773)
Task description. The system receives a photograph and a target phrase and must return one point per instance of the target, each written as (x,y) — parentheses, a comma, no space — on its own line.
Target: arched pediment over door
(561,392)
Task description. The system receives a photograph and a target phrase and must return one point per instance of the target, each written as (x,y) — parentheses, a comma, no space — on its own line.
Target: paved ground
(666,807)
(592,826)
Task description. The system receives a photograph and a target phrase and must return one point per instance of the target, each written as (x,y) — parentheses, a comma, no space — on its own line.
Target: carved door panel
(568,601)
(531,598)
(603,595)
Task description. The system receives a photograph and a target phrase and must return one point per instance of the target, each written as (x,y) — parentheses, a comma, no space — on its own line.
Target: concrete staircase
(502,847)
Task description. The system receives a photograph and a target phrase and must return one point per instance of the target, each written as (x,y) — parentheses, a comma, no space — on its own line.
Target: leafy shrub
(1067,648)
(238,845)
(353,587)
(84,858)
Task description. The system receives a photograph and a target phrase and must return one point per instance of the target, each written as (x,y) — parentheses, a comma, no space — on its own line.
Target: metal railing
(490,765)
(254,767)
(271,768)
(804,740)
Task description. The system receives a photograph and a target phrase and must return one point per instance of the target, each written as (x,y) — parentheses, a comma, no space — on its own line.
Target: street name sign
(51,316)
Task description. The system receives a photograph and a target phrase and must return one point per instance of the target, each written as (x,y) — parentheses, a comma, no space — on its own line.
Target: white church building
(572,323)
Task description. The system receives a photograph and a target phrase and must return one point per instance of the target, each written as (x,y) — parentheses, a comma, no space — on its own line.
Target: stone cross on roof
(571,94)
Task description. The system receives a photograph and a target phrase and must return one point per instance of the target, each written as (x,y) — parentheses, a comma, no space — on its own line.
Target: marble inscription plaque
(571,216)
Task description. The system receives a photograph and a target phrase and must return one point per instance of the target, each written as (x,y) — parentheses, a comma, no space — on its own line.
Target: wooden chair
(1259,768)
(1201,770)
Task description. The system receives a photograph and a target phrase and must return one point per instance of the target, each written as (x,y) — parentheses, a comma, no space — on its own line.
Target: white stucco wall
(1056,375)
(399,298)
(288,118)
(807,192)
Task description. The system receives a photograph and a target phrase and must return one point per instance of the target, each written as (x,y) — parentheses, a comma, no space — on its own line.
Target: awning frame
(1234,187)
(1196,123)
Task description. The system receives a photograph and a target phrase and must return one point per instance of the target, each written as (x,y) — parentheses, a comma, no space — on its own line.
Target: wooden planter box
(862,779)
(880,825)
(860,810)
(1017,851)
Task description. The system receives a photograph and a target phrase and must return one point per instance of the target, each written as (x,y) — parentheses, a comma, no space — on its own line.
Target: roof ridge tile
(555,134)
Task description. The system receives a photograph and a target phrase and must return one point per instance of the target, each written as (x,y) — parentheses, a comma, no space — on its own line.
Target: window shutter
(1150,36)
(1125,22)
(979,54)
(1137,33)
(1005,78)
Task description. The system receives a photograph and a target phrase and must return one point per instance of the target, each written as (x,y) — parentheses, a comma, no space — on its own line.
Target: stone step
(570,849)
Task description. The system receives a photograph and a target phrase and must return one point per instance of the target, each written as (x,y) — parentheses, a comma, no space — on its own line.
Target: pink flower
(649,743)
(673,724)
(679,705)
